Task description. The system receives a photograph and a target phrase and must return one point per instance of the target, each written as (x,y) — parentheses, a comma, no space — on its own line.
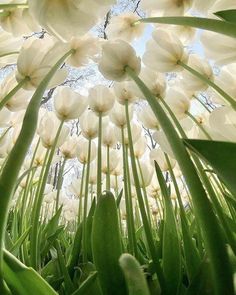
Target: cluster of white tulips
(128,186)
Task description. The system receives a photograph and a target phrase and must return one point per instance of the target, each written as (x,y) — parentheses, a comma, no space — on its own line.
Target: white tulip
(158,156)
(148,118)
(118,115)
(69,104)
(124,92)
(83,149)
(69,147)
(89,125)
(178,102)
(116,56)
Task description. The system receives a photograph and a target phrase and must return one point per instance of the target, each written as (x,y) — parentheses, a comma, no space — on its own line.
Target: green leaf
(208,24)
(14,249)
(171,244)
(134,276)
(119,198)
(86,285)
(23,280)
(106,246)
(221,156)
(227,15)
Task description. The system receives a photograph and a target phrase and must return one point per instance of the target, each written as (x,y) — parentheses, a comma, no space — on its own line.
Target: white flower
(158,156)
(20,100)
(114,159)
(116,56)
(136,131)
(123,27)
(82,151)
(147,118)
(69,147)
(178,102)
(166,7)
(35,60)
(101,99)
(220,48)
(145,175)
(164,51)
(191,82)
(140,147)
(69,104)
(118,115)
(108,136)
(48,128)
(68,18)
(124,92)
(89,125)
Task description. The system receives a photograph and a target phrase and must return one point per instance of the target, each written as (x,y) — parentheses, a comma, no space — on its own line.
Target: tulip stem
(199,125)
(14,5)
(59,183)
(225,95)
(128,201)
(108,184)
(35,257)
(146,224)
(17,155)
(5,100)
(84,239)
(99,157)
(81,194)
(212,235)
(208,24)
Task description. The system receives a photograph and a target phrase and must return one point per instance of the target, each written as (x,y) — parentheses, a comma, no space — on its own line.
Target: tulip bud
(164,52)
(116,56)
(69,104)
(89,125)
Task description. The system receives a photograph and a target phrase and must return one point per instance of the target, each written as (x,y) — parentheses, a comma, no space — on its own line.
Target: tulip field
(117,147)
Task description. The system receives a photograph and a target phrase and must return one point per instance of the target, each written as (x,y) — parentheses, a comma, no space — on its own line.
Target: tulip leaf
(171,251)
(23,280)
(227,15)
(214,25)
(86,285)
(106,246)
(134,276)
(221,156)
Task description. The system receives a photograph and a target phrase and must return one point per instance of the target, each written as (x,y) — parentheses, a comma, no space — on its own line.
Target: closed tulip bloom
(223,122)
(53,15)
(164,51)
(20,100)
(114,159)
(124,92)
(118,116)
(85,48)
(89,125)
(140,147)
(145,175)
(202,6)
(118,171)
(69,104)
(155,81)
(69,147)
(82,151)
(226,80)
(154,187)
(48,128)
(8,46)
(160,138)
(5,117)
(218,47)
(166,7)
(190,81)
(18,21)
(40,155)
(185,34)
(116,56)
(136,131)
(101,100)
(178,102)
(123,27)
(74,187)
(35,61)
(108,136)
(158,156)
(147,118)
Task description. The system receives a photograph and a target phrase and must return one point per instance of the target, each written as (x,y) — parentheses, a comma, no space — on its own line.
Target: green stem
(17,155)
(212,235)
(8,53)
(99,158)
(225,95)
(146,224)
(81,195)
(128,200)
(35,257)
(5,100)
(59,183)
(208,24)
(84,239)
(108,183)
(199,125)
